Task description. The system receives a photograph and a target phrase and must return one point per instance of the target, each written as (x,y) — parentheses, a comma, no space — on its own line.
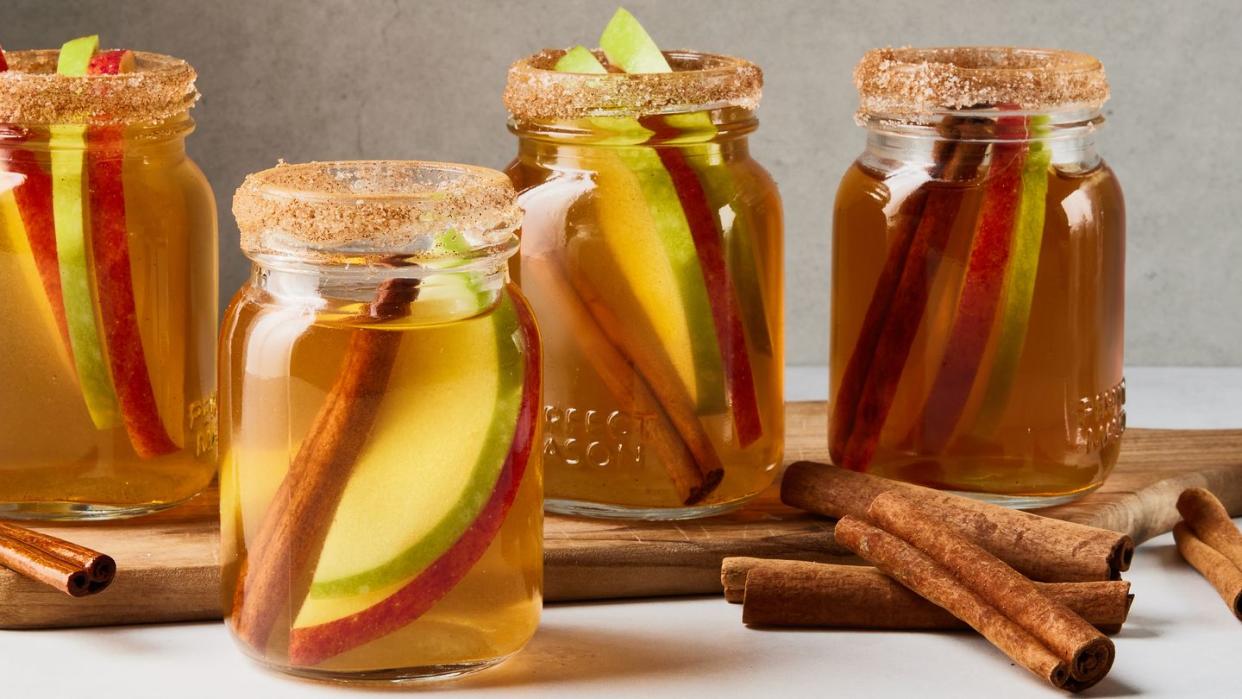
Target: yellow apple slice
(429,467)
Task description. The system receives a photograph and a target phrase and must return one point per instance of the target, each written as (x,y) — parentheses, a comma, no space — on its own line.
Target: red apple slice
(981,288)
(114,277)
(68,148)
(311,645)
(34,206)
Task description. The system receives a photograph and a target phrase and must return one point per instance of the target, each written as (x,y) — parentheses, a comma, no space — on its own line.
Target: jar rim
(399,210)
(699,82)
(914,84)
(32,92)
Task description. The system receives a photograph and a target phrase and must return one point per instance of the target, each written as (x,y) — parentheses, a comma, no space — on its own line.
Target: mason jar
(978,277)
(380,495)
(652,254)
(108,268)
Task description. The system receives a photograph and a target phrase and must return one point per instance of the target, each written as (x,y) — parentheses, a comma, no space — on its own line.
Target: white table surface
(1180,639)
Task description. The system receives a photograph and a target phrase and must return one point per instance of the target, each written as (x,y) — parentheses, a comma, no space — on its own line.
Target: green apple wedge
(628,46)
(465,508)
(648,239)
(68,151)
(1019,280)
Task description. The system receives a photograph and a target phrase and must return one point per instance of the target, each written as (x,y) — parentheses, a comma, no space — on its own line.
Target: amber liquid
(280,358)
(1057,432)
(55,462)
(596,267)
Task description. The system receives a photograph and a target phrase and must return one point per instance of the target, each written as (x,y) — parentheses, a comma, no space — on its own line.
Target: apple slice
(68,150)
(33,199)
(114,277)
(649,239)
(312,644)
(1019,290)
(629,47)
(981,287)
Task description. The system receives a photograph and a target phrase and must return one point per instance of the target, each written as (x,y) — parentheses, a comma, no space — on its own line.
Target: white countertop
(1180,639)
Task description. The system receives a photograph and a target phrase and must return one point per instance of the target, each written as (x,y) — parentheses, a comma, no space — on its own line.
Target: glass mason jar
(108,268)
(651,253)
(380,494)
(978,277)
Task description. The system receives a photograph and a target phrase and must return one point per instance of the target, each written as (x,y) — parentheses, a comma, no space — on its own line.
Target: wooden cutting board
(169,566)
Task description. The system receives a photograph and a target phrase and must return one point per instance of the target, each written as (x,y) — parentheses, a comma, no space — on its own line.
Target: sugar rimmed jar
(381,504)
(978,277)
(108,265)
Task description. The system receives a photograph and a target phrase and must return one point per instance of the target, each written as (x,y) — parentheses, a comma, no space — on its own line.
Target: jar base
(599,510)
(425,674)
(80,511)
(1026,502)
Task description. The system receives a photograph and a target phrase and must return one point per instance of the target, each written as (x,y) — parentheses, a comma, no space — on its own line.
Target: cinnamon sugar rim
(917,83)
(31,92)
(699,81)
(386,208)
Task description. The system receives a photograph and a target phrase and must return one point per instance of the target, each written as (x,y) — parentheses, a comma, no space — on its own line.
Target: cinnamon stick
(1087,653)
(1042,548)
(664,385)
(281,560)
(802,593)
(626,385)
(71,568)
(1209,541)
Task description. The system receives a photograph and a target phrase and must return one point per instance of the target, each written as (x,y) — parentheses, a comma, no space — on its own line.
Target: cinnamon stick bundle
(1208,539)
(802,593)
(71,568)
(909,544)
(282,558)
(1041,548)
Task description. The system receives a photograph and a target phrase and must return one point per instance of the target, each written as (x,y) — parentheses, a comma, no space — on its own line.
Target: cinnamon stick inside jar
(802,593)
(1041,548)
(71,568)
(909,544)
(282,558)
(1210,541)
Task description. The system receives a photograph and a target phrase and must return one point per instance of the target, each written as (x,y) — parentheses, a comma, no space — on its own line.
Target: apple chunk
(68,150)
(359,619)
(114,278)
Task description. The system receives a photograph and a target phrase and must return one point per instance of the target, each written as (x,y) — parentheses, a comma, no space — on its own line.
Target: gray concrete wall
(323,79)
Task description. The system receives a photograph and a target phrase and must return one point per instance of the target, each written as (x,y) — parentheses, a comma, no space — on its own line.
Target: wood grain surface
(168,565)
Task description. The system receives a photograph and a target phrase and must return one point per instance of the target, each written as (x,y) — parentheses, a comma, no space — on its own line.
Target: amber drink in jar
(651,252)
(380,495)
(978,277)
(108,274)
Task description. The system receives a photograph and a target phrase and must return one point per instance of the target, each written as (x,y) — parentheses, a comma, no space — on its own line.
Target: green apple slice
(68,151)
(628,45)
(648,237)
(1019,290)
(428,469)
